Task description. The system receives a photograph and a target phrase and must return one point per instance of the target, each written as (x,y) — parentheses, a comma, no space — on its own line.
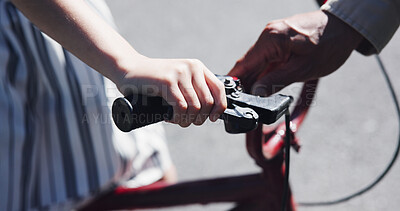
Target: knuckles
(182,106)
(208,102)
(195,107)
(195,64)
(188,111)
(278,31)
(186,68)
(221,86)
(182,71)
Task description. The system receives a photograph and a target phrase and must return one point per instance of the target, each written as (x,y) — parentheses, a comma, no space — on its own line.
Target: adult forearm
(80,30)
(376,20)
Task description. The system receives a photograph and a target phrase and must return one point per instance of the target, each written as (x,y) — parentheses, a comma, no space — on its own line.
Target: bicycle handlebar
(242,115)
(135,111)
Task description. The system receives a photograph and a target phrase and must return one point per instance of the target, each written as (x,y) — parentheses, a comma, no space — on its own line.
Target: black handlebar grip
(135,111)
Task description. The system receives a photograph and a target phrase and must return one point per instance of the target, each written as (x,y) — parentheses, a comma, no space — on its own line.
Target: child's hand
(193,91)
(186,84)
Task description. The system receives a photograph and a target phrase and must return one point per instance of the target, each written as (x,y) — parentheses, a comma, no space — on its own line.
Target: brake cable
(392,161)
(287,161)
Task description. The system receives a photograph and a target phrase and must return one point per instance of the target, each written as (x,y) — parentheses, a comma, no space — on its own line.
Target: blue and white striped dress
(58,145)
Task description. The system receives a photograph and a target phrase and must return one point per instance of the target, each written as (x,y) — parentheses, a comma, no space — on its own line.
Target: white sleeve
(375,20)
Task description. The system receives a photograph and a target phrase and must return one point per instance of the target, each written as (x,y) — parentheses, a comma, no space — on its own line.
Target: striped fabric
(57,141)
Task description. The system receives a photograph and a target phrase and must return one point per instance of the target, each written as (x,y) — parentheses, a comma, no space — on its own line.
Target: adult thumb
(272,82)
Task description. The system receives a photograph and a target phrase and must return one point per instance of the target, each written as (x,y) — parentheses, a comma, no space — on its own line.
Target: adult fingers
(270,84)
(250,66)
(252,63)
(279,78)
(273,45)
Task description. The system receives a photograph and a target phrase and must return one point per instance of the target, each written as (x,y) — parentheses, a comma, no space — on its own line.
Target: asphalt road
(348,137)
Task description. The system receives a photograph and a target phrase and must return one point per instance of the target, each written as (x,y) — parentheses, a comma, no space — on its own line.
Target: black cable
(383,174)
(287,161)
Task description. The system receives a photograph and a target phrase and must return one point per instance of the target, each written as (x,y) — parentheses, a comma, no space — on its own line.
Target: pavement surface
(347,139)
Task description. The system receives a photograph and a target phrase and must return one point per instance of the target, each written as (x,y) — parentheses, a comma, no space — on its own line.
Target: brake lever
(239,120)
(243,113)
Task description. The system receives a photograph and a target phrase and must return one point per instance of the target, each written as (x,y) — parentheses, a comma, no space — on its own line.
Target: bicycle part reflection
(242,115)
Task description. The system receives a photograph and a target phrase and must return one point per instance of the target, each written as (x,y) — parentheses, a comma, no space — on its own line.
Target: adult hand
(194,91)
(299,48)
